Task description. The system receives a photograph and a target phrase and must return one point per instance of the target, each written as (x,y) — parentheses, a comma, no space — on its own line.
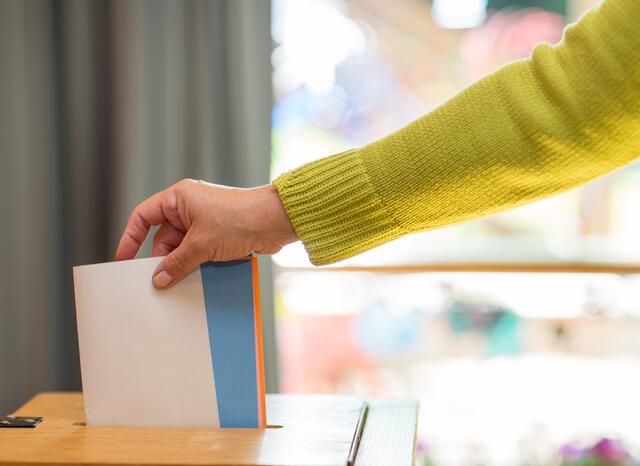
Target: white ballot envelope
(189,356)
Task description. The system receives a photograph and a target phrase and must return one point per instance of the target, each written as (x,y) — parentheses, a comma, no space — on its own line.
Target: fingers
(178,264)
(145,215)
(166,239)
(269,249)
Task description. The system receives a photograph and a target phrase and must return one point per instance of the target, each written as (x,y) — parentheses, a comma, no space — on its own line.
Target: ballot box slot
(270,426)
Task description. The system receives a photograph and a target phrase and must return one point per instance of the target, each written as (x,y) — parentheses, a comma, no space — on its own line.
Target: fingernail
(162,280)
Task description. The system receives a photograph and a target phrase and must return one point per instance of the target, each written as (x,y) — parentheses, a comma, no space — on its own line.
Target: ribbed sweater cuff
(334,208)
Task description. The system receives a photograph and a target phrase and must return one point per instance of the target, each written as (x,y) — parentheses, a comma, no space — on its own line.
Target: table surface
(305,430)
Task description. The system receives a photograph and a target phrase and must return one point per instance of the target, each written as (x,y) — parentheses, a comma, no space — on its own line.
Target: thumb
(177,264)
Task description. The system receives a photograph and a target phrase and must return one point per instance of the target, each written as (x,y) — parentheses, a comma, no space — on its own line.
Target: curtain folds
(103,104)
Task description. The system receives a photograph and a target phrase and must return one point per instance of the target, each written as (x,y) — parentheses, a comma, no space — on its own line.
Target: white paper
(144,353)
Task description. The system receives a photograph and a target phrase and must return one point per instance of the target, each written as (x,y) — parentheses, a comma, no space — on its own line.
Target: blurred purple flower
(421,448)
(609,451)
(571,453)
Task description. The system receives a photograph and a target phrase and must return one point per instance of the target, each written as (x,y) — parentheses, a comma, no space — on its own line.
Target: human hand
(202,222)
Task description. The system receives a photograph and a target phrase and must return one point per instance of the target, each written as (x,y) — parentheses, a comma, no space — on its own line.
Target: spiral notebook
(189,356)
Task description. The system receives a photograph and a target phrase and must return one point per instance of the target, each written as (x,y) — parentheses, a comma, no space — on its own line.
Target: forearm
(533,129)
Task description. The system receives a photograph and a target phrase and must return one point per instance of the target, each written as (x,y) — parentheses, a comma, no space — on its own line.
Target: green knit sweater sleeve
(534,128)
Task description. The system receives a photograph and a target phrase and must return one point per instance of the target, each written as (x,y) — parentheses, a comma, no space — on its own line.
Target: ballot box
(303,430)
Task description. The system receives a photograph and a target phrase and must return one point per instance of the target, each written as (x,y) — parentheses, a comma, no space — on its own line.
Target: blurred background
(517,332)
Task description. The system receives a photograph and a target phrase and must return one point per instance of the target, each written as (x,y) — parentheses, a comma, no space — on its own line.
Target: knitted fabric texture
(533,129)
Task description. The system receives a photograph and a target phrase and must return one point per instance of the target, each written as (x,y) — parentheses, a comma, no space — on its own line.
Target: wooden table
(306,430)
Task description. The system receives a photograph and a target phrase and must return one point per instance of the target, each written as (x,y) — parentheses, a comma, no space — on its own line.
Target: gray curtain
(103,103)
